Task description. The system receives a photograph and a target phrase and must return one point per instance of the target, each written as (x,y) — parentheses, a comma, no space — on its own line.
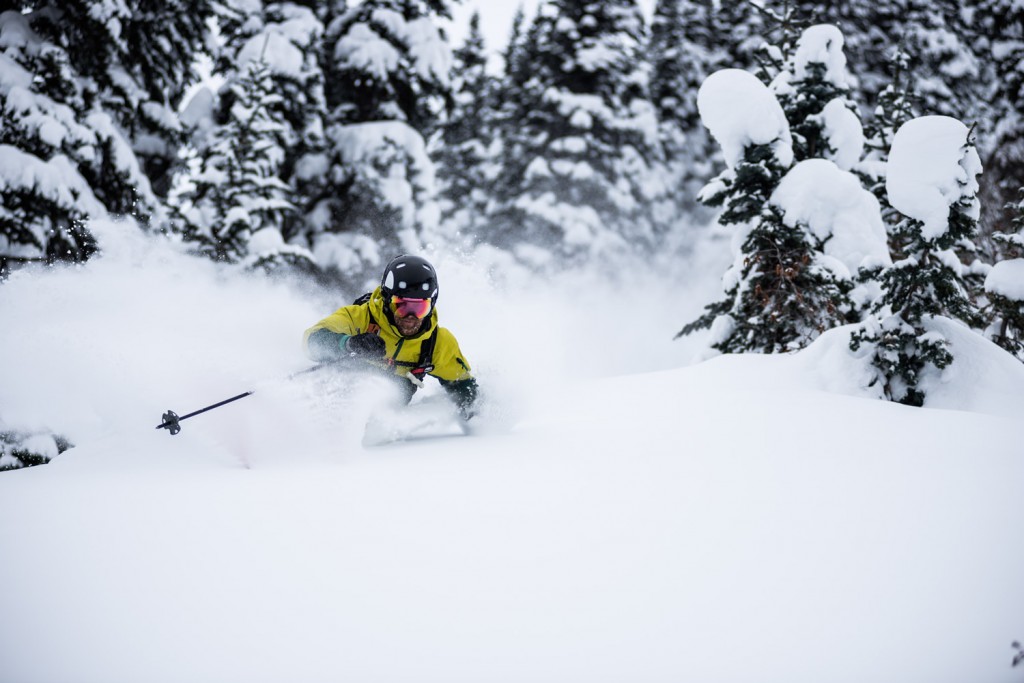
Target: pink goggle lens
(403,307)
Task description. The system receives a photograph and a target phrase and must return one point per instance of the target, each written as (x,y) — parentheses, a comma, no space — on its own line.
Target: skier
(395,328)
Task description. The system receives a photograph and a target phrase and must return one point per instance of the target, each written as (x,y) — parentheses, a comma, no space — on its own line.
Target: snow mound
(983,377)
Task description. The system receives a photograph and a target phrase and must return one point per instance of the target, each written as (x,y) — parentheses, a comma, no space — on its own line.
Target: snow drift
(750,518)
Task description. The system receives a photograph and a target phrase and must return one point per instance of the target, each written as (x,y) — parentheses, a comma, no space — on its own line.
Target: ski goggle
(403,307)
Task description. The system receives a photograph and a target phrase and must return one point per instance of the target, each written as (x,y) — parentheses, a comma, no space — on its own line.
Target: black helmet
(411,277)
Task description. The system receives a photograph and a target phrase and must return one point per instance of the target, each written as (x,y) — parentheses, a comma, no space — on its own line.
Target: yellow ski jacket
(403,354)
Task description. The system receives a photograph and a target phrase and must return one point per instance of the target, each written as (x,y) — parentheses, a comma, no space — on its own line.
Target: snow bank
(983,377)
(930,168)
(624,528)
(630,528)
(739,111)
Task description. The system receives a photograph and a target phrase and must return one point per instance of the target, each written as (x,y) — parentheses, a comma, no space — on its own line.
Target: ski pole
(171,421)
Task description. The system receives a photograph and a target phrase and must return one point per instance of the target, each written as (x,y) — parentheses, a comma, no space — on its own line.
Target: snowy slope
(744,519)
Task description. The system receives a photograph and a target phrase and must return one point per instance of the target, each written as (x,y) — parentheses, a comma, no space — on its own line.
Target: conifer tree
(690,40)
(514,48)
(684,50)
(157,45)
(512,106)
(237,191)
(21,449)
(871,30)
(814,93)
(939,38)
(896,106)
(742,190)
(741,27)
(134,62)
(588,134)
(951,78)
(783,289)
(465,164)
(388,61)
(288,37)
(51,147)
(91,99)
(1005,286)
(781,24)
(927,284)
(386,80)
(1000,29)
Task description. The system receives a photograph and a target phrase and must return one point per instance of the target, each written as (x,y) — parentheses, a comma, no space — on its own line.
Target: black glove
(365,345)
(464,393)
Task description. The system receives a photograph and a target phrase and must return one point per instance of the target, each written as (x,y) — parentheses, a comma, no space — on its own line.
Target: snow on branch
(740,110)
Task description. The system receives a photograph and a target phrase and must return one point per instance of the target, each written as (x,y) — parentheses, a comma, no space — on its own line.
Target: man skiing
(395,328)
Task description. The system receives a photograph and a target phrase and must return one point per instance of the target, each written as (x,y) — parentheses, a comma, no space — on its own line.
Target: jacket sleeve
(323,345)
(449,363)
(326,340)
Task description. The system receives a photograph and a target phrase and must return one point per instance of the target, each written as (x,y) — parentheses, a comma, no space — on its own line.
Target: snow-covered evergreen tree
(287,36)
(932,180)
(804,235)
(65,154)
(896,106)
(814,93)
(587,132)
(782,24)
(19,449)
(950,78)
(466,148)
(285,39)
(386,67)
(1004,286)
(238,192)
(684,50)
(155,44)
(938,37)
(867,45)
(999,28)
(133,62)
(757,148)
(803,258)
(512,105)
